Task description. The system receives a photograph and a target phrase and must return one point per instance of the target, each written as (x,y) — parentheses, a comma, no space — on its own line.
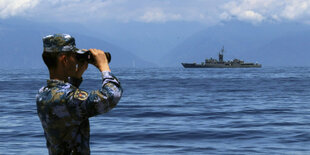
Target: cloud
(72,10)
(296,9)
(158,15)
(259,10)
(205,11)
(118,10)
(10,8)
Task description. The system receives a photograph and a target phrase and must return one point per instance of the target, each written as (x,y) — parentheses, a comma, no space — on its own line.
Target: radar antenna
(221,55)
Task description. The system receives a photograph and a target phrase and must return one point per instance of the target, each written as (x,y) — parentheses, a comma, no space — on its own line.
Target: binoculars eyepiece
(87,56)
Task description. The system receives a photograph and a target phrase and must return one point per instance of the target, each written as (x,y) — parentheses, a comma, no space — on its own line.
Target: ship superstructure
(220,63)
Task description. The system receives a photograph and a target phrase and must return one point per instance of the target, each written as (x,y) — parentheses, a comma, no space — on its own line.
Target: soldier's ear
(63,59)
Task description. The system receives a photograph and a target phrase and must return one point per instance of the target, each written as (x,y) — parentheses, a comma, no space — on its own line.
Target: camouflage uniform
(64,110)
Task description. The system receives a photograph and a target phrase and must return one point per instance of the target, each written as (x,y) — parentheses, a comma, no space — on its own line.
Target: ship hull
(193,65)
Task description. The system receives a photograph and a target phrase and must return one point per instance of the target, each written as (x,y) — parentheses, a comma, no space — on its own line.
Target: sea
(174,111)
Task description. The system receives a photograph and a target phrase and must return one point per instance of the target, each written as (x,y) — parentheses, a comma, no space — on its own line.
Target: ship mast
(221,55)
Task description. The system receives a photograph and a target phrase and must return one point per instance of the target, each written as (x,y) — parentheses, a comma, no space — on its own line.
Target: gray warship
(220,63)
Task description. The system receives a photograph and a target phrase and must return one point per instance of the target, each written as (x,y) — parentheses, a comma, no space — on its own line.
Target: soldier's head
(59,51)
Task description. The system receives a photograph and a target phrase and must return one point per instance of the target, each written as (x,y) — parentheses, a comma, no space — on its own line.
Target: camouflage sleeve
(84,105)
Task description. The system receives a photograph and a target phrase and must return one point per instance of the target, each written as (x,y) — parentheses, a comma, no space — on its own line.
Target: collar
(54,82)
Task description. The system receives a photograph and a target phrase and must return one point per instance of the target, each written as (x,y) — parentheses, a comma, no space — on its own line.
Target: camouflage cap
(59,43)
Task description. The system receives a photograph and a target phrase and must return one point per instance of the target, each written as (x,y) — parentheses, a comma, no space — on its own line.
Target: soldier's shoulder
(41,89)
(80,95)
(66,86)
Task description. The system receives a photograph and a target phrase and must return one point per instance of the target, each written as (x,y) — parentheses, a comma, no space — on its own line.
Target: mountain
(21,45)
(271,44)
(163,44)
(149,41)
(287,50)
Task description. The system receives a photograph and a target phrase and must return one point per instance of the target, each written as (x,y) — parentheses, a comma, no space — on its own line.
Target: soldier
(62,107)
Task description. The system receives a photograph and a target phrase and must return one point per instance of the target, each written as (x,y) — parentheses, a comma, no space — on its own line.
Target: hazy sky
(153,29)
(205,11)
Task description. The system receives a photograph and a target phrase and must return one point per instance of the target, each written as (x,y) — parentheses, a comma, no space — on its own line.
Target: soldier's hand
(100,58)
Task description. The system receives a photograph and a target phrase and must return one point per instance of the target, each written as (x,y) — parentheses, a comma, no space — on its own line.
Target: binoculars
(87,56)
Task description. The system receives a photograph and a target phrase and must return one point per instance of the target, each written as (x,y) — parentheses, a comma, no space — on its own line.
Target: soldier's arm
(83,105)
(101,101)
